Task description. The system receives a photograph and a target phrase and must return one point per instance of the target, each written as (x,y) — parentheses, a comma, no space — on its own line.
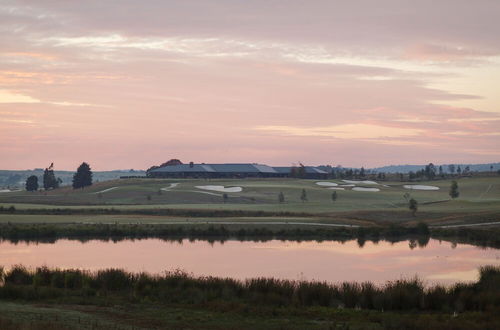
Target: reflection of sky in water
(329,261)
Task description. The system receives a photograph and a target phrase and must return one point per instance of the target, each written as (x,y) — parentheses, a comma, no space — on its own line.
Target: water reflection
(354,260)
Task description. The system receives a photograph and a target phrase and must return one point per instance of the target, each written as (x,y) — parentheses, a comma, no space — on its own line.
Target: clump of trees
(49,178)
(83,176)
(454,193)
(171,162)
(32,183)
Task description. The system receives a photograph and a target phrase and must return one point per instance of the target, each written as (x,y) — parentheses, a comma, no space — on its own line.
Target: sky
(129,84)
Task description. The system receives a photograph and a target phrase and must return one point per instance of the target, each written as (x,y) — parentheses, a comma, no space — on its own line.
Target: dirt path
(486,191)
(105,190)
(469,225)
(261,223)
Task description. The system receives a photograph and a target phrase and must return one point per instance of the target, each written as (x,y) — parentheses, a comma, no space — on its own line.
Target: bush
(405,294)
(18,275)
(113,279)
(42,277)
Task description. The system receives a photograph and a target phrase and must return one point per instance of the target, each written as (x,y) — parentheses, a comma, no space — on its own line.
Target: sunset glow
(130,84)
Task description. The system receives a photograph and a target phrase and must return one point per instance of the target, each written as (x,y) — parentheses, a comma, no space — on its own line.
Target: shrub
(42,276)
(18,275)
(113,279)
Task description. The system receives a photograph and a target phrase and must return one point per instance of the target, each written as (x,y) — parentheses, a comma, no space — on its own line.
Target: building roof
(195,168)
(216,168)
(309,170)
(242,168)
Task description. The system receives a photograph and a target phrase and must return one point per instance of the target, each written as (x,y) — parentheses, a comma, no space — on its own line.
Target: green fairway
(479,198)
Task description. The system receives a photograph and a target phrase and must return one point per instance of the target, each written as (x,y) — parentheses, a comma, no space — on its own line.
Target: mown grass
(476,194)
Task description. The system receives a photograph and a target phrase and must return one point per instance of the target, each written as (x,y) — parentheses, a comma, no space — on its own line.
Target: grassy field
(29,316)
(479,201)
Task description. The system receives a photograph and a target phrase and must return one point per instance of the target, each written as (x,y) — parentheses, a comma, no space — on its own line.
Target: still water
(437,262)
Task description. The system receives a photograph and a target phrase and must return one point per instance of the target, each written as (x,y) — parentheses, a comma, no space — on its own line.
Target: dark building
(231,171)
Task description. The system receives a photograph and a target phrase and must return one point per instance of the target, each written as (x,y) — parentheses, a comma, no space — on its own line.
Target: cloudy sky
(128,84)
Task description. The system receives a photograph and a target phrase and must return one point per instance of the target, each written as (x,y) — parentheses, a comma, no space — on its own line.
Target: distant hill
(414,168)
(17,178)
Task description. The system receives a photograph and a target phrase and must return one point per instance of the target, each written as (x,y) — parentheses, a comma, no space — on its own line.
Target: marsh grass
(183,288)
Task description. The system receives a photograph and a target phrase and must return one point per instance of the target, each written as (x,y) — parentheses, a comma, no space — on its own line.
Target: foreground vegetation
(266,209)
(404,303)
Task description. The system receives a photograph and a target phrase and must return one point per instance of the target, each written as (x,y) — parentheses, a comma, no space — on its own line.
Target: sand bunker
(360,182)
(420,187)
(221,189)
(347,185)
(336,188)
(172,185)
(365,189)
(326,184)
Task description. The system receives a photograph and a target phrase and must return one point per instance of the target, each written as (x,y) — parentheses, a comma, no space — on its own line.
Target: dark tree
(171,162)
(49,178)
(83,176)
(301,171)
(281,197)
(334,196)
(454,193)
(459,170)
(430,171)
(362,172)
(303,196)
(413,206)
(32,183)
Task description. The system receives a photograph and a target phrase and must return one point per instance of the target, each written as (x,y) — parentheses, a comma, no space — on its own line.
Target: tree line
(81,179)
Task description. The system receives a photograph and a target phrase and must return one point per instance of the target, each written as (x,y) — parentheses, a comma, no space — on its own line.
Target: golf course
(247,200)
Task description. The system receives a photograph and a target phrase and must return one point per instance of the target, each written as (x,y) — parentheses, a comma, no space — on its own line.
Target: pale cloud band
(249,81)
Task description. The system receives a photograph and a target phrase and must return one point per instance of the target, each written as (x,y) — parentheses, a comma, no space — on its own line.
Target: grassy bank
(421,233)
(50,232)
(261,302)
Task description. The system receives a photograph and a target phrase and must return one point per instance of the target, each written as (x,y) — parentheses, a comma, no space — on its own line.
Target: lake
(332,261)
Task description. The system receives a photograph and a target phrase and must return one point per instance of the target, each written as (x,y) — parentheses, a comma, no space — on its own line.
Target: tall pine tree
(49,178)
(83,176)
